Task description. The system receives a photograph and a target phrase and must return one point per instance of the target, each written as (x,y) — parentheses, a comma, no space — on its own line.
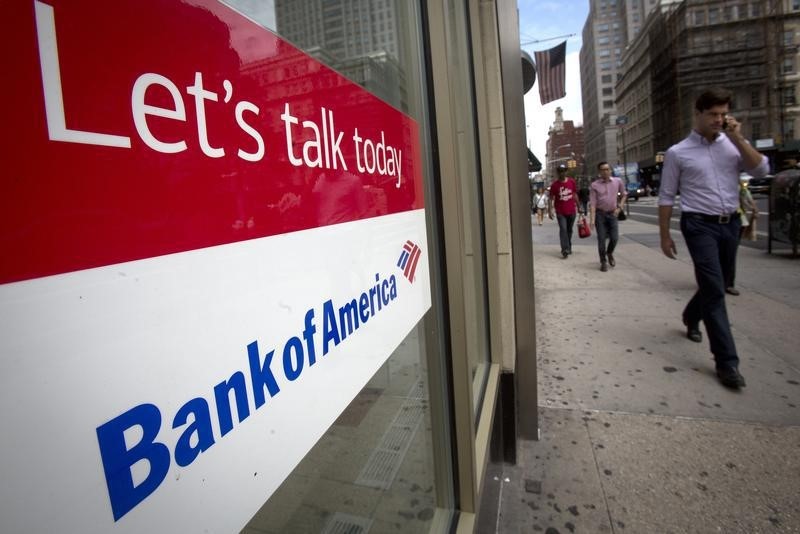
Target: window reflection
(378,467)
(360,39)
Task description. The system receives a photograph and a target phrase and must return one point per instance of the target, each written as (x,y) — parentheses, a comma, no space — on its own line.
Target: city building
(269,271)
(609,27)
(565,146)
(689,45)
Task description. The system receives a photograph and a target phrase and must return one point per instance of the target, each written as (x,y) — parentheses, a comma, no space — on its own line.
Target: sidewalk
(637,434)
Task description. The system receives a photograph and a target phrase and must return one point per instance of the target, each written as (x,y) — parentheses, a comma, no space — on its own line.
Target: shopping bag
(583,228)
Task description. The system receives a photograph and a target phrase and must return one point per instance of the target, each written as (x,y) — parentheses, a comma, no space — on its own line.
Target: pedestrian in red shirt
(564,195)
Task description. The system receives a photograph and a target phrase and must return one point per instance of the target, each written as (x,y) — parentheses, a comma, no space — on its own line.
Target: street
(645,210)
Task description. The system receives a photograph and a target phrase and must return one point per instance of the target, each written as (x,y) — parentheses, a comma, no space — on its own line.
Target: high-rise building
(358,38)
(609,27)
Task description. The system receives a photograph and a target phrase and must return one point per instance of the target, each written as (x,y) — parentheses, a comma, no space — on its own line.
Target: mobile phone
(725,123)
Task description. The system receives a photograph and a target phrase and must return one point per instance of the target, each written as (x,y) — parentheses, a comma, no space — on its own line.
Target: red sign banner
(140,128)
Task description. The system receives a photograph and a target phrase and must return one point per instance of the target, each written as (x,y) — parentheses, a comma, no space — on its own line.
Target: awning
(534,165)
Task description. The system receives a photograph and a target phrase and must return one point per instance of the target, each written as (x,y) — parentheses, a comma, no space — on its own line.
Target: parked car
(760,185)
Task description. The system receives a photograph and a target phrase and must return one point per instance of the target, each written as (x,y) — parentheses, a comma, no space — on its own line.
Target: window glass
(788,129)
(699,17)
(788,96)
(755,126)
(475,290)
(385,464)
(755,98)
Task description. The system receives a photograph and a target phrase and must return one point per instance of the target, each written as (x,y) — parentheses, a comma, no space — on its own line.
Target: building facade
(689,45)
(565,146)
(609,27)
(266,158)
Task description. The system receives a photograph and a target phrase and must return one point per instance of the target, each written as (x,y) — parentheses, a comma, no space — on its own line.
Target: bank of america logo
(408,260)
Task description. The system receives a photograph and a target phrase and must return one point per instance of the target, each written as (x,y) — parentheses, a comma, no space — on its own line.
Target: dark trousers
(565,223)
(713,250)
(605,223)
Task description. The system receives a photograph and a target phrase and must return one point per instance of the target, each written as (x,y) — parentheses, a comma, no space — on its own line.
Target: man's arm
(592,202)
(550,204)
(752,159)
(667,244)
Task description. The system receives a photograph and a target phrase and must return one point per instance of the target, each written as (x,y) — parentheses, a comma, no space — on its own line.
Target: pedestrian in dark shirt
(584,196)
(705,168)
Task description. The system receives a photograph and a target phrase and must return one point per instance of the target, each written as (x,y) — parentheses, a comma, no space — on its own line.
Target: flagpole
(532,41)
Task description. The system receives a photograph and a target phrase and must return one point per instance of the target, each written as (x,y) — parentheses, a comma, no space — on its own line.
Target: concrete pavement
(637,434)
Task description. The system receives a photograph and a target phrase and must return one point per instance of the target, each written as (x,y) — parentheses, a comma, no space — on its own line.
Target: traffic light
(571,164)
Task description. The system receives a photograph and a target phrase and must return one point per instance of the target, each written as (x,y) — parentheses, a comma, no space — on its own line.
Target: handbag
(583,228)
(621,215)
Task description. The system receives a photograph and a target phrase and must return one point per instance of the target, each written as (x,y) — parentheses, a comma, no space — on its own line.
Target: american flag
(551,71)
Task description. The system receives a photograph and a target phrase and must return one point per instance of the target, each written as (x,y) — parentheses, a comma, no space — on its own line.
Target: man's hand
(550,214)
(668,247)
(667,244)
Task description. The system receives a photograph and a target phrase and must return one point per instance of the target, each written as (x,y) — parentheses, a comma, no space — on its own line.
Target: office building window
(713,15)
(727,13)
(755,126)
(607,104)
(788,96)
(606,78)
(788,65)
(755,99)
(608,91)
(755,9)
(788,129)
(788,38)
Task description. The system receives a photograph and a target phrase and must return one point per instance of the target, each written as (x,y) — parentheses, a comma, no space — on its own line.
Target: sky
(542,20)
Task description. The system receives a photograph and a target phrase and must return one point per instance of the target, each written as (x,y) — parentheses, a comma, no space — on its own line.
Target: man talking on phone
(705,168)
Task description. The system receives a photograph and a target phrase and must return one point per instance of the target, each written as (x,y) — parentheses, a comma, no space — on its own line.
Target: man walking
(563,194)
(607,196)
(705,168)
